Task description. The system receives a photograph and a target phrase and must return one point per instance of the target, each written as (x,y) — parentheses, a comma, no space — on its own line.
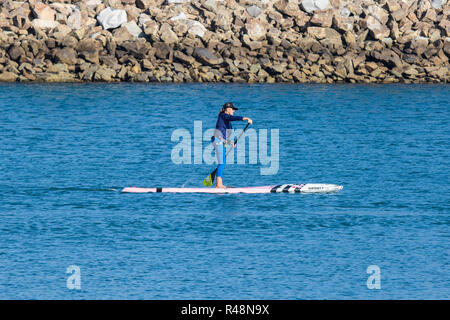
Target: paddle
(209,180)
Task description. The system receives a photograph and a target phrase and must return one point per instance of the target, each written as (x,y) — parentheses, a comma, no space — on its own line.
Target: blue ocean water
(68,149)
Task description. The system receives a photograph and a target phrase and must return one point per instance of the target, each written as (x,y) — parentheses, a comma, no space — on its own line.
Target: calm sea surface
(67,151)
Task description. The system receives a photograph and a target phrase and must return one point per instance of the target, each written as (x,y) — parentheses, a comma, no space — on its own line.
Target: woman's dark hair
(225,106)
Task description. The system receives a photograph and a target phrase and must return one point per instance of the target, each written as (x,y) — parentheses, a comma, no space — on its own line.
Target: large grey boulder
(193,27)
(254,11)
(313,5)
(111,18)
(437,4)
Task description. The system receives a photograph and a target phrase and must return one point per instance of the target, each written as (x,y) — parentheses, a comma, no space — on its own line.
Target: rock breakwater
(266,41)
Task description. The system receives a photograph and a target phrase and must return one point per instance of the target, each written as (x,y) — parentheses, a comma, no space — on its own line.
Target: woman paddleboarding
(221,134)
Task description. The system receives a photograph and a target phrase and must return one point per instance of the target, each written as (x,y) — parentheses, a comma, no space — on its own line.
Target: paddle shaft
(235,141)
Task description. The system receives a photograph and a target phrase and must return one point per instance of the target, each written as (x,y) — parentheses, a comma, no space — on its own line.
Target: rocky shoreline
(254,41)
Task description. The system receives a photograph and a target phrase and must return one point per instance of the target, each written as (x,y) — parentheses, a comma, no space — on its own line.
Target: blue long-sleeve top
(224,123)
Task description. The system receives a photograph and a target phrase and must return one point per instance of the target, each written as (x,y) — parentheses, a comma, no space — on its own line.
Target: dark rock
(410,58)
(180,56)
(110,61)
(88,49)
(66,55)
(163,50)
(430,52)
(388,57)
(51,43)
(120,53)
(137,49)
(16,52)
(142,77)
(206,56)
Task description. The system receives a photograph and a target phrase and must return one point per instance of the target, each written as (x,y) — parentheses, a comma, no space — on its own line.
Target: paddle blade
(209,180)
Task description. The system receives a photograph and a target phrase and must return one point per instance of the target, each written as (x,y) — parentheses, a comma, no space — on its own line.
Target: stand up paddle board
(282,188)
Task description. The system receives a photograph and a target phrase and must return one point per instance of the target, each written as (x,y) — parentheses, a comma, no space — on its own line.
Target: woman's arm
(236,118)
(231,118)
